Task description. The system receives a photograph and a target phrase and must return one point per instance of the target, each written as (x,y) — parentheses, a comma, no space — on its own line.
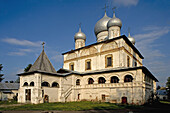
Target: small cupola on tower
(131,39)
(114,25)
(100,28)
(80,38)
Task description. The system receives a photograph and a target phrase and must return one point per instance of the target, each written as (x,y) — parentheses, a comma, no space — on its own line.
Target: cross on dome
(105,7)
(80,27)
(43,45)
(114,8)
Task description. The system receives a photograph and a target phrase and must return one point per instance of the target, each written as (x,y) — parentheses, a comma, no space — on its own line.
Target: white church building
(109,70)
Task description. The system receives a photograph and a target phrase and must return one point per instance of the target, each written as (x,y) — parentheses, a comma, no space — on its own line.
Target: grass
(8,102)
(165,102)
(70,106)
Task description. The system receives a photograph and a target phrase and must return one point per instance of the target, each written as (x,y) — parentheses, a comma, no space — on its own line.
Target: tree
(158,87)
(27,68)
(0,73)
(168,85)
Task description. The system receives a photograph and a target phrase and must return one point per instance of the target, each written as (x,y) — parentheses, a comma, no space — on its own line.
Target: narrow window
(71,66)
(103,97)
(108,61)
(78,82)
(88,64)
(128,61)
(135,64)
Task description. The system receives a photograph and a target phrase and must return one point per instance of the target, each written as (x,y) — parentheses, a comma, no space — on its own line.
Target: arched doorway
(124,100)
(46,99)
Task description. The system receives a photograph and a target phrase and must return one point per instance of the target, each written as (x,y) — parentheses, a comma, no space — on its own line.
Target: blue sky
(25,24)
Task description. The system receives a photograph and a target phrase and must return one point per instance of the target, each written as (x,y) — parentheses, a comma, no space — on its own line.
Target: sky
(25,24)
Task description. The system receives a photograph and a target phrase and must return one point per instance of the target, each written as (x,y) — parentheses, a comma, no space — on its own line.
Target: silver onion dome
(114,22)
(101,25)
(80,35)
(131,39)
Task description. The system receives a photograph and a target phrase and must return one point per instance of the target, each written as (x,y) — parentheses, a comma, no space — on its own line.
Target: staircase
(65,94)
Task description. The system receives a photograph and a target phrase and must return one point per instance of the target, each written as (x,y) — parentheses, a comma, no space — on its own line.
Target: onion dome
(131,39)
(101,25)
(80,35)
(114,22)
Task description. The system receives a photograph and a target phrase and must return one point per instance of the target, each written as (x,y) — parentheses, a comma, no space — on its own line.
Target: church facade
(109,70)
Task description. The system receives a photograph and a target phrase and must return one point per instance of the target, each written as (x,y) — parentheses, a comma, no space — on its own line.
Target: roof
(43,64)
(109,40)
(9,86)
(65,72)
(144,70)
(43,72)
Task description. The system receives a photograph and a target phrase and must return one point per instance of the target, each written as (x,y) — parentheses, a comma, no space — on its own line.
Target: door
(124,100)
(78,97)
(28,94)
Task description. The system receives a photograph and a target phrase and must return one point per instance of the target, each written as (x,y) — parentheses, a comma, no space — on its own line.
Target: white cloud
(14,41)
(126,2)
(145,41)
(26,50)
(57,58)
(26,43)
(151,50)
(20,71)
(153,33)
(18,53)
(21,52)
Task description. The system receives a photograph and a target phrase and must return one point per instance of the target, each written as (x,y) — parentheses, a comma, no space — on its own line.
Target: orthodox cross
(43,45)
(114,8)
(105,7)
(80,27)
(128,29)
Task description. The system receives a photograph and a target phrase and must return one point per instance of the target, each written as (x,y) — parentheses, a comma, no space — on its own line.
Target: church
(109,70)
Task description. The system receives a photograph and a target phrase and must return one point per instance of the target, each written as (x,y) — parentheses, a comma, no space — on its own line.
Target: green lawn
(7,102)
(69,106)
(165,102)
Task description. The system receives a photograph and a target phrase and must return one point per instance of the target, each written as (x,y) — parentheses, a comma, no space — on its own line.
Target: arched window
(78,82)
(90,81)
(25,84)
(55,84)
(101,80)
(114,79)
(32,84)
(46,84)
(128,78)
